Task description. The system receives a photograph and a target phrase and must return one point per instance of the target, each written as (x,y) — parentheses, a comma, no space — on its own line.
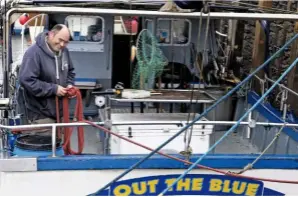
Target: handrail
(233,127)
(230,123)
(54,126)
(145,13)
(200,122)
(282,86)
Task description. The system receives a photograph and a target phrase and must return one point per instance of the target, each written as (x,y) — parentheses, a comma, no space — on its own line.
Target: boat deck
(233,144)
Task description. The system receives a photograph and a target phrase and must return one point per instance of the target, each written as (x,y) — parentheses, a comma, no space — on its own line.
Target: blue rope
(234,126)
(199,117)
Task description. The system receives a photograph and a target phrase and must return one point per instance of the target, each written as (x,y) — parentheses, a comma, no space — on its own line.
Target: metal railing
(54,126)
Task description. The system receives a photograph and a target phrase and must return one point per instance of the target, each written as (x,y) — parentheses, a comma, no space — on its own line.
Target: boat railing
(6,129)
(283,91)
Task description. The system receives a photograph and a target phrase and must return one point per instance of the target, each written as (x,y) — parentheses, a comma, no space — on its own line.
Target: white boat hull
(85,182)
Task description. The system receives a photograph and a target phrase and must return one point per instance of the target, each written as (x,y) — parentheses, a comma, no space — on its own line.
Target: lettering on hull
(191,184)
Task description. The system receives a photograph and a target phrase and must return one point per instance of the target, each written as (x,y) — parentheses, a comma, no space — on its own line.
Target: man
(46,72)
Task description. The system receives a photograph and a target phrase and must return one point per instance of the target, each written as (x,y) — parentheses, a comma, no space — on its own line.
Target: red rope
(78,114)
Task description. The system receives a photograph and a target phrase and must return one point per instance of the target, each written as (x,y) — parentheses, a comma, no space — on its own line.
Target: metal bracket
(252,123)
(108,124)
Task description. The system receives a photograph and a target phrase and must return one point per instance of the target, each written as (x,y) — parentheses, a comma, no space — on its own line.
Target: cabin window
(173,31)
(163,30)
(86,28)
(149,25)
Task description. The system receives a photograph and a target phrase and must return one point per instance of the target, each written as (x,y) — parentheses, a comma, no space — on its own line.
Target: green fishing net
(150,61)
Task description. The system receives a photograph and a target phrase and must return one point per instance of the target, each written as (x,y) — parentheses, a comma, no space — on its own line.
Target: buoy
(23,19)
(134,26)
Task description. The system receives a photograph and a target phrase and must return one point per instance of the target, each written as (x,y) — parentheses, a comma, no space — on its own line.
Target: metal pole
(40,126)
(145,13)
(248,129)
(2,151)
(54,141)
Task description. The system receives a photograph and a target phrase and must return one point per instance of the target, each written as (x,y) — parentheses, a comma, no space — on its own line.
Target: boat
(158,109)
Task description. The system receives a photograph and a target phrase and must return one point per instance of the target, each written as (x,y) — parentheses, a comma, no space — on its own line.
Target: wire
(234,126)
(201,72)
(201,115)
(188,133)
(250,165)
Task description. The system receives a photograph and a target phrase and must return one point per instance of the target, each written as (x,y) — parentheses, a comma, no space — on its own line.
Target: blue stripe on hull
(96,162)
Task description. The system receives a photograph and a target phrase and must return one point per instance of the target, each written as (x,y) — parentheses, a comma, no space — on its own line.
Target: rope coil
(78,116)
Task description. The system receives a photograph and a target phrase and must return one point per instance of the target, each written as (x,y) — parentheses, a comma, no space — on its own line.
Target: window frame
(89,16)
(171,32)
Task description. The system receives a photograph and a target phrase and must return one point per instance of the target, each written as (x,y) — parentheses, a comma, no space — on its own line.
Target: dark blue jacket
(40,72)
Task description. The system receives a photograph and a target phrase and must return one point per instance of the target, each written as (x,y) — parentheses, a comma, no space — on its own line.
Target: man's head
(58,37)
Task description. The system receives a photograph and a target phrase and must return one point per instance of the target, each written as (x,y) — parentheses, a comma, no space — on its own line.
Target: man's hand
(61,91)
(68,87)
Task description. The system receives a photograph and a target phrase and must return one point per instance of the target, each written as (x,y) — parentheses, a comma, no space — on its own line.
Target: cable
(250,165)
(188,133)
(202,68)
(201,115)
(234,126)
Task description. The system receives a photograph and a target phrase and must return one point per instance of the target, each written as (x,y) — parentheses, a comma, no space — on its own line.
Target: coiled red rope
(78,115)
